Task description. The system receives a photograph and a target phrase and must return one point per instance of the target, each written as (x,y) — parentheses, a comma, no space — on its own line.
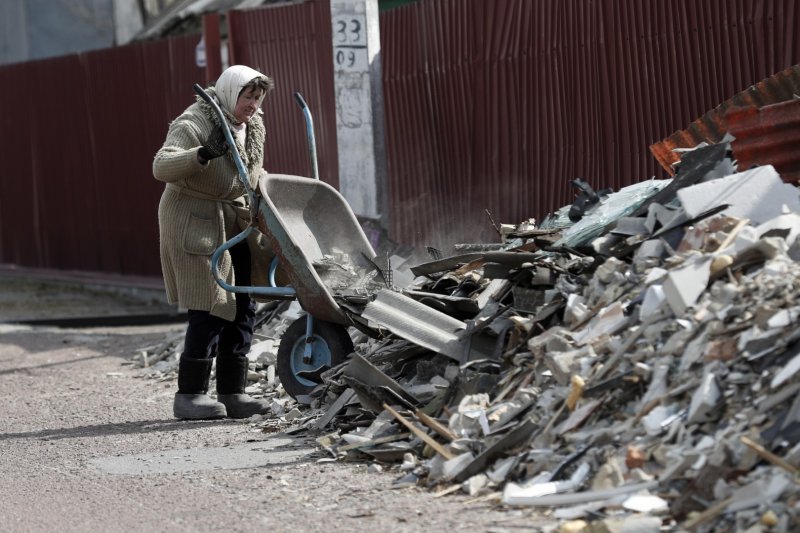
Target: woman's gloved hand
(215,145)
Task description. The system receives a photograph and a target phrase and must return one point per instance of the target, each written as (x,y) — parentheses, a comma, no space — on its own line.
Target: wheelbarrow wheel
(331,344)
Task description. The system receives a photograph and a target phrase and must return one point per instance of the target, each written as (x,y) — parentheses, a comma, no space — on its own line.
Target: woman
(203,205)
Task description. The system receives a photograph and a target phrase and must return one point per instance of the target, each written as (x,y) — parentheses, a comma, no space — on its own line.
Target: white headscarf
(230,84)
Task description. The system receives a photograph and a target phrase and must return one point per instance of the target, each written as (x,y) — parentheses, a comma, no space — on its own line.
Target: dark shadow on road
(122,428)
(104,321)
(27,369)
(123,344)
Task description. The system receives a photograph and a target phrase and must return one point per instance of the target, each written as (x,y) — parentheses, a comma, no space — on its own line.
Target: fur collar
(252,152)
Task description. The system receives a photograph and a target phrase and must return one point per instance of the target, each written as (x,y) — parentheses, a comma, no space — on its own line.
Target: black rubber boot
(191,400)
(231,381)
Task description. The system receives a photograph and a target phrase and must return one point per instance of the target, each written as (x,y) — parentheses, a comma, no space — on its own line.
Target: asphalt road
(87,444)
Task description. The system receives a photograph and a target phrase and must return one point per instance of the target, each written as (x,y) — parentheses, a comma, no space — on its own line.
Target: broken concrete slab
(645,503)
(788,371)
(684,285)
(650,248)
(660,216)
(631,226)
(564,364)
(757,195)
(653,302)
(786,226)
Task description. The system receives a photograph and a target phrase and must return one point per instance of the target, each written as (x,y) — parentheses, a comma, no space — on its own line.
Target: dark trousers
(208,335)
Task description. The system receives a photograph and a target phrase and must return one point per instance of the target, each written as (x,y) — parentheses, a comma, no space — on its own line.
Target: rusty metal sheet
(712,126)
(769,135)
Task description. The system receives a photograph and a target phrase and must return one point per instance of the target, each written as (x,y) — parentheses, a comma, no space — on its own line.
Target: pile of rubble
(631,363)
(648,366)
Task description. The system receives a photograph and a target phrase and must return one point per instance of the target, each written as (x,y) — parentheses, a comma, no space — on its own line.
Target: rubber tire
(332,339)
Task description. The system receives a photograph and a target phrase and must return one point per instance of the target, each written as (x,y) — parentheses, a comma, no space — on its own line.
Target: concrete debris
(514,494)
(638,369)
(758,195)
(626,379)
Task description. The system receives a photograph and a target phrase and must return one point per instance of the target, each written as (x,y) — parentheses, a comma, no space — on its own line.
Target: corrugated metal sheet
(768,136)
(497,105)
(79,134)
(713,125)
(293,45)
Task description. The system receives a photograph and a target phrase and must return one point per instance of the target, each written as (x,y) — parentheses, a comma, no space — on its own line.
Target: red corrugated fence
(292,44)
(491,108)
(497,105)
(78,138)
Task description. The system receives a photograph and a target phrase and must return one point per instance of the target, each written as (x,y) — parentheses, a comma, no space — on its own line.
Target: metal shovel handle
(237,158)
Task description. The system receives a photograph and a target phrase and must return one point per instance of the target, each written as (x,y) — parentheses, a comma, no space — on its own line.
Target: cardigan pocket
(200,236)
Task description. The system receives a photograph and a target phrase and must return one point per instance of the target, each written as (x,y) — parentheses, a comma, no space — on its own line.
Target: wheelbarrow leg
(309,346)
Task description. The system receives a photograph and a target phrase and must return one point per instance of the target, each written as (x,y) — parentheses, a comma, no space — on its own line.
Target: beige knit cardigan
(203,206)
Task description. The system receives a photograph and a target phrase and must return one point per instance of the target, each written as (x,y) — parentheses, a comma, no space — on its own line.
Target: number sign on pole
(359,107)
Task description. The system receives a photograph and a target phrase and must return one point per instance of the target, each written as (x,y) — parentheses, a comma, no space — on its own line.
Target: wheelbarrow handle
(300,101)
(275,293)
(312,145)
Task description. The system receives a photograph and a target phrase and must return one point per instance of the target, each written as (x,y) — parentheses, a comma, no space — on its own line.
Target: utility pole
(359,107)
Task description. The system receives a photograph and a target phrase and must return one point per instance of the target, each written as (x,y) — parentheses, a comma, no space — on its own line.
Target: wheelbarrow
(336,276)
(321,248)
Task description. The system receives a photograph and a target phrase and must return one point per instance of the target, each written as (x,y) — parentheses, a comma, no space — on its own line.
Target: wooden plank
(709,514)
(769,456)
(435,425)
(419,433)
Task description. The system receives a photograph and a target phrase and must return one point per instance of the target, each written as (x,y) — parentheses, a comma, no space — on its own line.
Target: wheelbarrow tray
(308,222)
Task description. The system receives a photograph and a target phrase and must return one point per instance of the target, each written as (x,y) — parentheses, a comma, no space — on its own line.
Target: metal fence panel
(79,134)
(293,45)
(494,106)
